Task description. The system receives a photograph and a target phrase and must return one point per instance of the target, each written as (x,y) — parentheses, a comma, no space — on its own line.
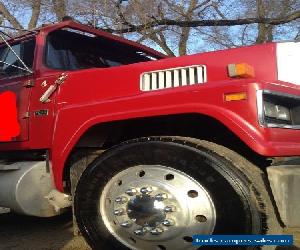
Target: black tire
(78,163)
(242,203)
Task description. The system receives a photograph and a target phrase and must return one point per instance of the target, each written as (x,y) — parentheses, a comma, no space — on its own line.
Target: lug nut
(121,200)
(161,197)
(126,224)
(146,190)
(131,191)
(157,231)
(168,222)
(169,209)
(119,212)
(147,228)
(140,232)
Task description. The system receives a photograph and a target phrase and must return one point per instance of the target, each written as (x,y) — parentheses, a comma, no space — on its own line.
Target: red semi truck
(151,150)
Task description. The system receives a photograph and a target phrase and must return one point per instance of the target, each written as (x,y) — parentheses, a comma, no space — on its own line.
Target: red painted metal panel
(16,85)
(93,96)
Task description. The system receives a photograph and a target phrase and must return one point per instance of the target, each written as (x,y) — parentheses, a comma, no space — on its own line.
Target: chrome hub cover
(145,210)
(156,207)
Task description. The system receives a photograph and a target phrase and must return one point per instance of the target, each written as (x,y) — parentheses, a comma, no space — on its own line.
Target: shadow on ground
(30,233)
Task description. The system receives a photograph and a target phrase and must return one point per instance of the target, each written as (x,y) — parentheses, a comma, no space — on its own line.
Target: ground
(27,233)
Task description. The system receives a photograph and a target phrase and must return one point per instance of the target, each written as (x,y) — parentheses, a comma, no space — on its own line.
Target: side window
(57,57)
(9,60)
(10,65)
(71,51)
(68,50)
(28,53)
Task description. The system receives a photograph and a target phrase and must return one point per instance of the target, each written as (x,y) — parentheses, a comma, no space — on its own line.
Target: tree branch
(13,21)
(208,23)
(59,7)
(36,10)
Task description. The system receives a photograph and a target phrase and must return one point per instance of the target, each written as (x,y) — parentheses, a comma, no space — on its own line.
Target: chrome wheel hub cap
(145,210)
(156,207)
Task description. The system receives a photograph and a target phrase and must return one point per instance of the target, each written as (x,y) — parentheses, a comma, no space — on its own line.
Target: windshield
(10,65)
(67,50)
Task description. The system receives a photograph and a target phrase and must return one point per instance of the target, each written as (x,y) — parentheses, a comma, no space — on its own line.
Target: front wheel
(156,193)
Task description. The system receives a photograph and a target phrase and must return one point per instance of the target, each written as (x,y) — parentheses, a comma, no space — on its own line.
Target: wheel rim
(156,207)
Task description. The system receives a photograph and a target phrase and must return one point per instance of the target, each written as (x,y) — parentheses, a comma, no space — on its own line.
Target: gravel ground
(27,233)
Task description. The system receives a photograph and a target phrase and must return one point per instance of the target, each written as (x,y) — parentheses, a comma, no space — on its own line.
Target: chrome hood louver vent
(172,78)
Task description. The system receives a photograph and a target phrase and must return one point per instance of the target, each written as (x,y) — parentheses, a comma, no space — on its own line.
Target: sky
(199,41)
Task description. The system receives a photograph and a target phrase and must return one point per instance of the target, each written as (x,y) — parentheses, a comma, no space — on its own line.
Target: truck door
(15,79)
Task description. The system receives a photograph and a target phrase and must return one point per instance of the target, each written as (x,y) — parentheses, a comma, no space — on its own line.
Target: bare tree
(9,16)
(36,10)
(174,26)
(267,20)
(59,8)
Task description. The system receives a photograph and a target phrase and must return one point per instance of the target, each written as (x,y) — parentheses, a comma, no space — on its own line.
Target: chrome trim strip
(261,113)
(286,126)
(260,108)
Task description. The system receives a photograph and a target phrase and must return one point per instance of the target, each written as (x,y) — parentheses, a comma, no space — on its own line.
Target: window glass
(28,53)
(9,60)
(9,64)
(67,50)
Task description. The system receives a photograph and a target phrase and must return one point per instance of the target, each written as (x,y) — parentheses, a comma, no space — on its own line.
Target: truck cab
(50,52)
(146,147)
(33,66)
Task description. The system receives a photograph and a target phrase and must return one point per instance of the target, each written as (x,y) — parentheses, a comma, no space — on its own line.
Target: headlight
(277,111)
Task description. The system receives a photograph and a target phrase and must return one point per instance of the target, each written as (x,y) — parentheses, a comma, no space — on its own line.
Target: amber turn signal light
(241,70)
(235,96)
